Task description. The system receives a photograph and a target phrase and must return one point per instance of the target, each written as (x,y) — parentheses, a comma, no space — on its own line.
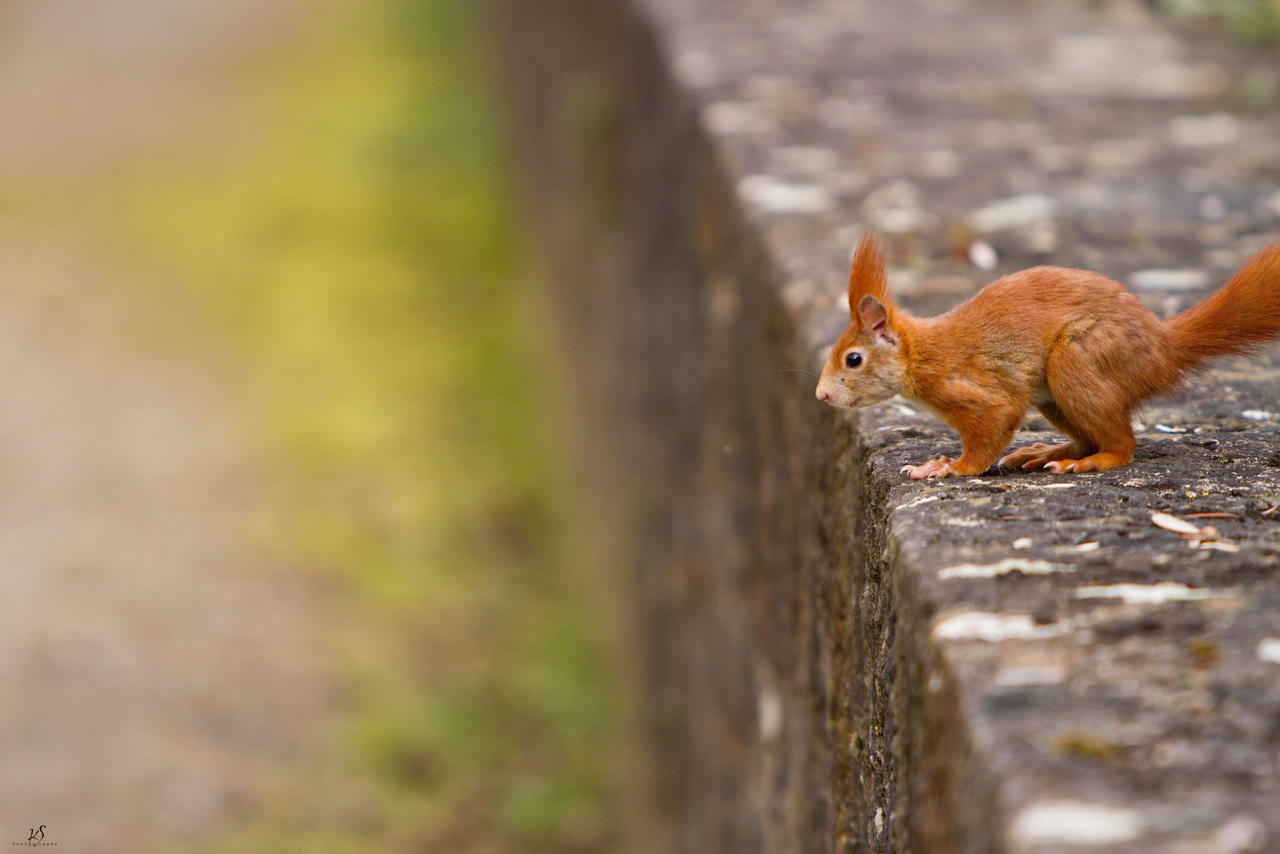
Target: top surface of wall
(1124,686)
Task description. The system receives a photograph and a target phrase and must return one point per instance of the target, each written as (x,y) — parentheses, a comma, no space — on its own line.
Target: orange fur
(1242,314)
(1074,344)
(867,273)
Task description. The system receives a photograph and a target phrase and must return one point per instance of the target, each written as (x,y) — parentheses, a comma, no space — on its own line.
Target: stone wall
(829,657)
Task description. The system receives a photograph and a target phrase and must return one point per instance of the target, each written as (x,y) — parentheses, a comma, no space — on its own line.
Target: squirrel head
(867,363)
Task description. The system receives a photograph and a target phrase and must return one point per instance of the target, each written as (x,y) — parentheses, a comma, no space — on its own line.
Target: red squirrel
(1075,345)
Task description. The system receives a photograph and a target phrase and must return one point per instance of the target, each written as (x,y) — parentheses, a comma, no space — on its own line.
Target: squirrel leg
(1037,455)
(982,437)
(1097,418)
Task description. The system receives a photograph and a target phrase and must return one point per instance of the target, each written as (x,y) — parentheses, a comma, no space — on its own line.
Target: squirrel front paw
(941,467)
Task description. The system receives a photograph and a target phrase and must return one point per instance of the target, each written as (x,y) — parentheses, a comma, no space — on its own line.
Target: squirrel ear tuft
(872,315)
(866,274)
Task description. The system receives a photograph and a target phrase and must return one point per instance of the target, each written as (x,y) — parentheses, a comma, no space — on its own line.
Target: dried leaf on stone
(1218,545)
(1173,523)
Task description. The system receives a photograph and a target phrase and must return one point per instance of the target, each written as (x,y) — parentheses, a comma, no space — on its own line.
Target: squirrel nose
(823,395)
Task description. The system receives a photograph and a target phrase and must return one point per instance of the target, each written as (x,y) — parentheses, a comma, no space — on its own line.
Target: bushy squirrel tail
(1238,317)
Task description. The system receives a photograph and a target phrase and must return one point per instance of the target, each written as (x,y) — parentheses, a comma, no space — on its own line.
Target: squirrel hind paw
(1100,461)
(1035,456)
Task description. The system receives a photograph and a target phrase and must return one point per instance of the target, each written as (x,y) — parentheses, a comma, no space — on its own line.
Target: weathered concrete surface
(837,658)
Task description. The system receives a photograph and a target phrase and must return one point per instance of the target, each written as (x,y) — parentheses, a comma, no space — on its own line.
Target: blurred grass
(360,261)
(1251,21)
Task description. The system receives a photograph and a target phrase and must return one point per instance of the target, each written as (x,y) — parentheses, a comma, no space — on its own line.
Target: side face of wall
(763,618)
(830,657)
(667,321)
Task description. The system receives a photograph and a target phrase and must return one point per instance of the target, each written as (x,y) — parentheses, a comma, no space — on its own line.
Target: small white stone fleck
(993,628)
(1169,280)
(1086,547)
(845,115)
(698,68)
(1014,212)
(778,196)
(983,256)
(1269,650)
(916,502)
(940,163)
(898,220)
(1057,486)
(1042,237)
(1016,677)
(895,208)
(1119,153)
(1241,833)
(838,113)
(769,708)
(849,181)
(1004,567)
(1150,594)
(1258,415)
(878,820)
(1200,131)
(807,159)
(1213,208)
(1122,63)
(1054,158)
(963,523)
(1022,543)
(1072,823)
(739,117)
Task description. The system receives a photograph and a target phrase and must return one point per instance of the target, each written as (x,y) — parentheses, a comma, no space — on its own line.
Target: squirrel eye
(852,359)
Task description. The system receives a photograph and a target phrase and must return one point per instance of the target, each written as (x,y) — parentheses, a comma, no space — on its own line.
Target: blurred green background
(1250,21)
(365,261)
(343,242)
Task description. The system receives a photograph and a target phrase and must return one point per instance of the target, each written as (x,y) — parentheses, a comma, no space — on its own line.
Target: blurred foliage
(359,258)
(1253,21)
